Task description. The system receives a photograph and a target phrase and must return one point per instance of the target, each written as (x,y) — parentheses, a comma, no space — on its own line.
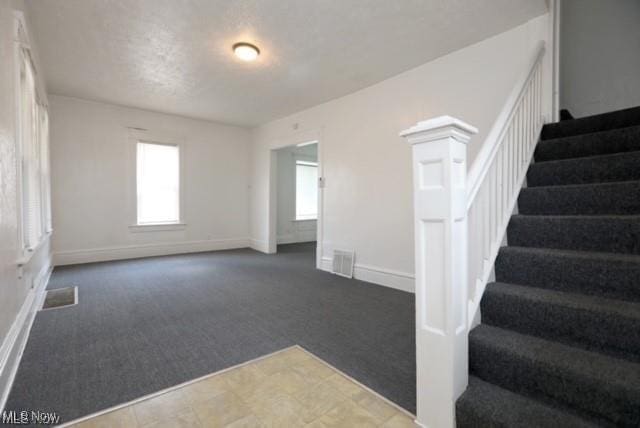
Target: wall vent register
(60,298)
(343,263)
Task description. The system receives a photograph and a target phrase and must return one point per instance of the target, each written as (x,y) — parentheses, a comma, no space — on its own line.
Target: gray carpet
(147,324)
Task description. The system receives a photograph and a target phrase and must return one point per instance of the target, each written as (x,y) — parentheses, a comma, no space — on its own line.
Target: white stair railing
(497,175)
(459,225)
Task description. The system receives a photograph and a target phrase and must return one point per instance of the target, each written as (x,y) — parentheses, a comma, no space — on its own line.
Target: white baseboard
(293,238)
(16,339)
(376,275)
(259,245)
(145,250)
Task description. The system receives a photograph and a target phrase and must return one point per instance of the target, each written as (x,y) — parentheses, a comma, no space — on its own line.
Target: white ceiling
(175,56)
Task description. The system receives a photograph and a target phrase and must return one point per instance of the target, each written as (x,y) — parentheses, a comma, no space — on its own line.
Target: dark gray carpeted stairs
(559,343)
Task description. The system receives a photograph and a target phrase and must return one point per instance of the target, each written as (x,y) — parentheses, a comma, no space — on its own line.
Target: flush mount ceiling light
(246,51)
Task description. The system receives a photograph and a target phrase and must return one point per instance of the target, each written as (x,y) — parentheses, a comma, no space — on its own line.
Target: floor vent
(60,298)
(343,263)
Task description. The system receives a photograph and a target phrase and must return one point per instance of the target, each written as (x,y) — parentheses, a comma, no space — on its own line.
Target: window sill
(305,219)
(157,227)
(28,254)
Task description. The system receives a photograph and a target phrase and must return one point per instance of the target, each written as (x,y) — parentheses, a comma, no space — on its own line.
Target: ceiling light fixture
(246,51)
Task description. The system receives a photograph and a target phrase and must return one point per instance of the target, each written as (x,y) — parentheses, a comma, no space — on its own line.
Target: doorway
(295,197)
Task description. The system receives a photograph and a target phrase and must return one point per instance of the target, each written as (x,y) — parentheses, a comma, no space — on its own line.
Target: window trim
(139,135)
(157,227)
(36,178)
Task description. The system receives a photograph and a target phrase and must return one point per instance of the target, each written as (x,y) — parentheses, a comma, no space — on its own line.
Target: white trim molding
(146,250)
(15,341)
(136,228)
(259,245)
(298,236)
(376,275)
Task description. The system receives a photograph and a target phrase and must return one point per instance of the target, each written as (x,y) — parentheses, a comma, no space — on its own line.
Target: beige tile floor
(291,388)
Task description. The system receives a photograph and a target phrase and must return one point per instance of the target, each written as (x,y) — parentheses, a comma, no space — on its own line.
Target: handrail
(487,153)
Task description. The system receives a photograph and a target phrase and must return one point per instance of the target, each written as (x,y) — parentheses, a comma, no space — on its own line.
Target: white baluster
(501,193)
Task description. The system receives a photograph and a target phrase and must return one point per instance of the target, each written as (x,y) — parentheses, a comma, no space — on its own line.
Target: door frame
(555,11)
(296,138)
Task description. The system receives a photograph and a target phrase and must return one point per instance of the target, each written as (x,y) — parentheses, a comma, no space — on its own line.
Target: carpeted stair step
(605,233)
(590,382)
(594,169)
(595,323)
(609,275)
(486,405)
(595,123)
(597,143)
(600,198)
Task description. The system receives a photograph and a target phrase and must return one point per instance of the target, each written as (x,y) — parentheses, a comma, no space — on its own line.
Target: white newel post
(439,180)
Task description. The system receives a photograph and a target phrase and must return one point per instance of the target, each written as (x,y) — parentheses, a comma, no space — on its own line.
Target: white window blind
(158,183)
(45,169)
(306,190)
(34,149)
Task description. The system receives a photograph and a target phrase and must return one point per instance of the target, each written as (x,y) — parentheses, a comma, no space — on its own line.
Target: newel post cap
(439,128)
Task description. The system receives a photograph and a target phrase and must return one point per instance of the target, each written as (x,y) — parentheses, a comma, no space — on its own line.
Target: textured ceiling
(174,56)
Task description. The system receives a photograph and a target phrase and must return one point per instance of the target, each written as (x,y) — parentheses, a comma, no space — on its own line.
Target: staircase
(559,343)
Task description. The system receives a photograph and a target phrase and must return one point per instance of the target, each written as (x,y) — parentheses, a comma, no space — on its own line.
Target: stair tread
(613,307)
(497,406)
(590,382)
(619,155)
(607,325)
(602,132)
(606,274)
(616,373)
(608,168)
(587,255)
(580,186)
(617,233)
(620,140)
(580,216)
(593,123)
(613,198)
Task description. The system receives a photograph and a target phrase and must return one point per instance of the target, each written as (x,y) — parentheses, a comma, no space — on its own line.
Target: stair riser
(606,278)
(524,376)
(470,418)
(482,405)
(586,170)
(618,198)
(602,143)
(608,234)
(603,122)
(593,330)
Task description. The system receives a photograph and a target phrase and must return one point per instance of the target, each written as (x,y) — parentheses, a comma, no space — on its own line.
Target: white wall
(17,297)
(599,55)
(92,183)
(288,229)
(368,195)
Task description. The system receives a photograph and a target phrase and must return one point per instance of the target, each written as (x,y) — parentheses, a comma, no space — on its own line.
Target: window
(33,147)
(306,190)
(157,183)
(45,171)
